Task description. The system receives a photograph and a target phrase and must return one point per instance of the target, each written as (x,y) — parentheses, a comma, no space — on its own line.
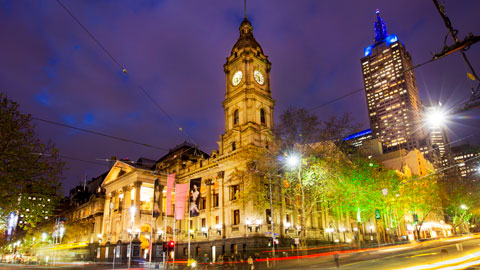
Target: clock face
(237,78)
(258,77)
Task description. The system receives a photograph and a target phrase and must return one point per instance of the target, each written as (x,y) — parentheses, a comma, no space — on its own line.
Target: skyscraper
(392,95)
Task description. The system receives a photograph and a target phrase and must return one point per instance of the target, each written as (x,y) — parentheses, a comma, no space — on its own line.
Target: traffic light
(165,246)
(171,245)
(269,242)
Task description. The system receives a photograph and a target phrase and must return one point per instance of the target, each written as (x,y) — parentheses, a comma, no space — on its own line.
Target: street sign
(415,217)
(377,214)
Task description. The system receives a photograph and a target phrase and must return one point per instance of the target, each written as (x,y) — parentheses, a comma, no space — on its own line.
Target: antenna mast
(245,5)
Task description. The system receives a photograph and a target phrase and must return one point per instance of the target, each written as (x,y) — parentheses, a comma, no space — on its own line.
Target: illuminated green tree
(29,169)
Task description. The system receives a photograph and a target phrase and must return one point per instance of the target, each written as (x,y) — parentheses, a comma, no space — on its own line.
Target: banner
(195,187)
(157,199)
(181,192)
(170,184)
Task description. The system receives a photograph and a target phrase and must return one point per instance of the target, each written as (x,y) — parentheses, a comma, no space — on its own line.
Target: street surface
(452,253)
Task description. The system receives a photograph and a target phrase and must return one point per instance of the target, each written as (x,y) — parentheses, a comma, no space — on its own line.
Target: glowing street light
(464,207)
(133,210)
(436,117)
(293,160)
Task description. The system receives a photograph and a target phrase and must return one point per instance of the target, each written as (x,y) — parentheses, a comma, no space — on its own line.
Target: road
(454,253)
(439,254)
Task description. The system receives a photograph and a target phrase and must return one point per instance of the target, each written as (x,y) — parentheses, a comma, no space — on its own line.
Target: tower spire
(380,28)
(245,6)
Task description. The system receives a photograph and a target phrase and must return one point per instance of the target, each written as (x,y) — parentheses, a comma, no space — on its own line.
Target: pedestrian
(206,261)
(225,261)
(335,258)
(250,263)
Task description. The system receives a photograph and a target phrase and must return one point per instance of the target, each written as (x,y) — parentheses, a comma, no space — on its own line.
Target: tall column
(106,214)
(126,208)
(111,207)
(221,198)
(138,185)
(208,209)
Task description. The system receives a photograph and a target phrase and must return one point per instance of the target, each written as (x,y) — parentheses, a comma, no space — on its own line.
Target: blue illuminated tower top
(381,34)
(380,28)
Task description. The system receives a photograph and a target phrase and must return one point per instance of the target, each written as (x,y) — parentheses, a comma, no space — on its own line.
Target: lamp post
(271,216)
(293,161)
(133,210)
(344,237)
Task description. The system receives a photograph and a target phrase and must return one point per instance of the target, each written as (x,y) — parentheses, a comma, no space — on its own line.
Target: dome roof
(246,38)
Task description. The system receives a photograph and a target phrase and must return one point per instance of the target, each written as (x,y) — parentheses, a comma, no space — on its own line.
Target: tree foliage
(29,169)
(335,180)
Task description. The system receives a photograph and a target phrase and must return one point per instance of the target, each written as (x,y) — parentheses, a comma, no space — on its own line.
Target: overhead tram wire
(70,158)
(99,133)
(124,70)
(168,115)
(363,88)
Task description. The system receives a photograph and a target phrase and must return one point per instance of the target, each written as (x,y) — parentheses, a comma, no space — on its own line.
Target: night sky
(176,50)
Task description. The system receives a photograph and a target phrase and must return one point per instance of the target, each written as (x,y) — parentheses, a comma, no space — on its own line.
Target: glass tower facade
(393,102)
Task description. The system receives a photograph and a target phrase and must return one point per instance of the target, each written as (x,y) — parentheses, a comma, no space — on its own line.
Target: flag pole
(151,238)
(165,258)
(188,209)
(174,229)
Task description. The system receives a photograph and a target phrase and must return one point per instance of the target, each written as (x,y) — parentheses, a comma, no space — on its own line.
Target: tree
(29,169)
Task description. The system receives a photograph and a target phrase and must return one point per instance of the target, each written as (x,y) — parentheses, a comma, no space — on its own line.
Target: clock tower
(248,104)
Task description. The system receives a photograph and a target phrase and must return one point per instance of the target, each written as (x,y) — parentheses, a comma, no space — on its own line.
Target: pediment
(118,169)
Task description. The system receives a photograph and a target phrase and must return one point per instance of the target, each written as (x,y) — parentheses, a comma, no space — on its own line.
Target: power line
(362,88)
(124,70)
(98,133)
(92,36)
(71,158)
(168,115)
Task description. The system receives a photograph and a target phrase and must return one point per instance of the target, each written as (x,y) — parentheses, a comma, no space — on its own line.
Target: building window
(235,117)
(217,220)
(262,116)
(236,217)
(204,222)
(215,199)
(234,146)
(234,192)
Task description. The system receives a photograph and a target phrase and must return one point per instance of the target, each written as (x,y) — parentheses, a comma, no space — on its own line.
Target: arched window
(235,117)
(262,116)
(234,146)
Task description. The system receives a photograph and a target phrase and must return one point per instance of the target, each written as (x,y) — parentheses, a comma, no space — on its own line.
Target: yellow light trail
(471,256)
(421,255)
(461,266)
(69,246)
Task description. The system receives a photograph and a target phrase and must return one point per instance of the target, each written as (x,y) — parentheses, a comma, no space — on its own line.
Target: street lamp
(436,117)
(464,207)
(133,210)
(287,226)
(329,231)
(293,160)
(62,231)
(344,238)
(218,227)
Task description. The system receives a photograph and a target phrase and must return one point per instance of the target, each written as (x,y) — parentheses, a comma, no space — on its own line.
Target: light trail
(471,256)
